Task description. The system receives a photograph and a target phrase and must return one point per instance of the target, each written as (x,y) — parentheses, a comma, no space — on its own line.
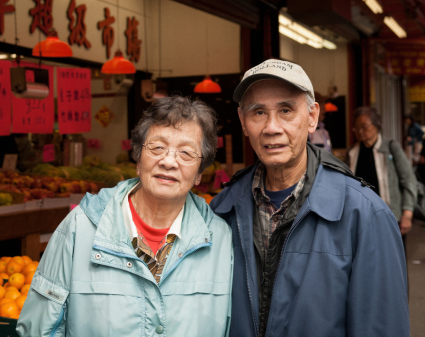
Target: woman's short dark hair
(172,111)
(372,113)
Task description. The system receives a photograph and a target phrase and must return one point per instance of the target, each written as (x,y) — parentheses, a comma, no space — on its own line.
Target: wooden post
(229,155)
(31,246)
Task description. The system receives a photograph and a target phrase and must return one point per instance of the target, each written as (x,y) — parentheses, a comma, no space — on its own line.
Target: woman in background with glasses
(382,163)
(147,257)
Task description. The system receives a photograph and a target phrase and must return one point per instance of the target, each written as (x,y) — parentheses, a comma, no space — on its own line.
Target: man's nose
(273,125)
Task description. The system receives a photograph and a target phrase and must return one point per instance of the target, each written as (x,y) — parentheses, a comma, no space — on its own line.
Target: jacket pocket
(196,308)
(106,308)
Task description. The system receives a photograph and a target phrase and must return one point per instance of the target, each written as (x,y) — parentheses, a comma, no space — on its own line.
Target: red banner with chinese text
(5,98)
(74,100)
(34,115)
(404,59)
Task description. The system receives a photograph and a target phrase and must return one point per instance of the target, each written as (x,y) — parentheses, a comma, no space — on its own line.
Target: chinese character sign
(4,8)
(133,42)
(77,27)
(404,59)
(5,98)
(108,31)
(74,100)
(41,16)
(34,115)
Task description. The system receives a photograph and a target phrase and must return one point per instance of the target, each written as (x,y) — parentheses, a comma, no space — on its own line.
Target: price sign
(34,115)
(5,98)
(48,153)
(93,143)
(74,100)
(126,145)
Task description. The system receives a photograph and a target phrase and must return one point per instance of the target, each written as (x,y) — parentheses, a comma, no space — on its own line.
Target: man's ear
(242,119)
(313,118)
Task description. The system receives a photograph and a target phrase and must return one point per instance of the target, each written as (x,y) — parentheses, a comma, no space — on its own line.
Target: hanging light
(52,47)
(118,65)
(329,107)
(207,86)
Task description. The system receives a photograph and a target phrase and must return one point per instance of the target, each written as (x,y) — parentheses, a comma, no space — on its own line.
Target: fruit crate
(8,327)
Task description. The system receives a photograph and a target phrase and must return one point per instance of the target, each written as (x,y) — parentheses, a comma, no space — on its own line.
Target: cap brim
(246,83)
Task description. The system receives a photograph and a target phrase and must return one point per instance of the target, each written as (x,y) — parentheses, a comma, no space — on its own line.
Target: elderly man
(317,252)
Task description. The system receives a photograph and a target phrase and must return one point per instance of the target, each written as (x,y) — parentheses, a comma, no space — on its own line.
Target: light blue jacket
(91,283)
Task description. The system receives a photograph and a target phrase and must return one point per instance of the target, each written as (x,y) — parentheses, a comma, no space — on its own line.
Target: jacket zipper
(247,282)
(190,251)
(113,252)
(62,316)
(281,254)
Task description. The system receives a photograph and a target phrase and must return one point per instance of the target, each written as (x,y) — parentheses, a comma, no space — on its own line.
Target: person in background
(382,163)
(320,137)
(147,257)
(414,138)
(317,252)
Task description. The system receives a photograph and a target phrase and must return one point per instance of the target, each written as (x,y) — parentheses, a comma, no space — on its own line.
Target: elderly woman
(147,257)
(381,162)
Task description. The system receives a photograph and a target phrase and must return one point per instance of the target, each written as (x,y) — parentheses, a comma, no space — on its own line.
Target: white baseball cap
(275,69)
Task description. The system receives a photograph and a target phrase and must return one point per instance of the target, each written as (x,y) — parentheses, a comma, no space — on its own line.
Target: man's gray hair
(173,111)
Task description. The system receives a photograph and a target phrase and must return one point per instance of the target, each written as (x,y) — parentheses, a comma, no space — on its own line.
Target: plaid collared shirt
(268,216)
(154,262)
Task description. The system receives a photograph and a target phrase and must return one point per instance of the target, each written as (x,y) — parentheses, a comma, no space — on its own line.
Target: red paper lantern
(118,65)
(207,86)
(52,47)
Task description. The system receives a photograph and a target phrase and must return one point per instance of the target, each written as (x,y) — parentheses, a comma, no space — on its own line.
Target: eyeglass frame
(362,128)
(175,153)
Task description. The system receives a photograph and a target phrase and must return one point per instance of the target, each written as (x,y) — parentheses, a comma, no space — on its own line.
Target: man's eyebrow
(289,103)
(252,106)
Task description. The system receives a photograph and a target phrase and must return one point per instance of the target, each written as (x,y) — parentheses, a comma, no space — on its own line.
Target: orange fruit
(4,276)
(29,268)
(5,300)
(6,285)
(2,292)
(11,288)
(13,294)
(17,280)
(3,265)
(1,282)
(19,259)
(13,267)
(35,262)
(27,260)
(28,278)
(6,259)
(9,309)
(25,289)
(20,301)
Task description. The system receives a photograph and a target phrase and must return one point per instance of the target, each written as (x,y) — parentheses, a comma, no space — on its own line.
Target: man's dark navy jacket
(342,269)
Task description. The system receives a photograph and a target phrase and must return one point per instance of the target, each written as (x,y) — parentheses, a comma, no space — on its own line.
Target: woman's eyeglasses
(158,151)
(364,127)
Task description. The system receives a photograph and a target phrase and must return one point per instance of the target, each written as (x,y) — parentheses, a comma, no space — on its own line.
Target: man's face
(276,119)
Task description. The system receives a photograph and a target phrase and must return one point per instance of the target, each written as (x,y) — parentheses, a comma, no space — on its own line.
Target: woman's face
(364,129)
(166,179)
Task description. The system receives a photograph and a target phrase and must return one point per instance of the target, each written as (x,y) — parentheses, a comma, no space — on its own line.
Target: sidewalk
(416,270)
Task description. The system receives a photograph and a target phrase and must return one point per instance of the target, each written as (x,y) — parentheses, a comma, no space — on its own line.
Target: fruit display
(91,169)
(6,199)
(16,275)
(38,187)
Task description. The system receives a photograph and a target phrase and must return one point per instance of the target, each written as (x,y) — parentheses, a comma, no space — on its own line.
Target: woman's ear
(198,179)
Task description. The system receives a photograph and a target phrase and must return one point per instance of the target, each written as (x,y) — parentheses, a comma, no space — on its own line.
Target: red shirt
(152,235)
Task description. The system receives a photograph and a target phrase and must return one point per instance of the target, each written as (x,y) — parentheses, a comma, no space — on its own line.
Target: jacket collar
(105,211)
(327,194)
